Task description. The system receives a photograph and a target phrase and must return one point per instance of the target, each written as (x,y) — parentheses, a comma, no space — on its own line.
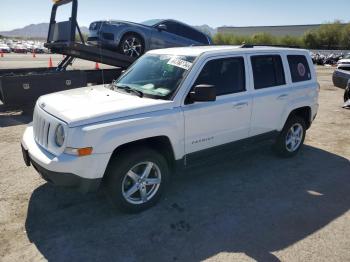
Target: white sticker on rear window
(175,61)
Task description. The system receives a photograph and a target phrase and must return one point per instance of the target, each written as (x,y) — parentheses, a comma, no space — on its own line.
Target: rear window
(299,68)
(186,31)
(268,71)
(195,35)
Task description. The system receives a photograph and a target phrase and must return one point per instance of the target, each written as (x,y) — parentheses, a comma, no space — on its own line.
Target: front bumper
(81,173)
(68,180)
(108,44)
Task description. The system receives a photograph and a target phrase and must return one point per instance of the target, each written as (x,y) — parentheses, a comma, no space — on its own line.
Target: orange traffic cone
(50,63)
(34,55)
(97,67)
(1,53)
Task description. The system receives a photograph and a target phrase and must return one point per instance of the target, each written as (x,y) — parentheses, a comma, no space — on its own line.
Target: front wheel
(131,45)
(136,179)
(291,138)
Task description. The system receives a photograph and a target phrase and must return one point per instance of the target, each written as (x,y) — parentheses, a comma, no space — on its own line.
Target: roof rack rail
(252,46)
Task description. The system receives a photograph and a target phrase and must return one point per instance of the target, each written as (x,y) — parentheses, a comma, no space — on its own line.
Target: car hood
(129,23)
(87,105)
(344,61)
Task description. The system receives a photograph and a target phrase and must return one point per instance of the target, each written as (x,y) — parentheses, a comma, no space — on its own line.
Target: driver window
(226,74)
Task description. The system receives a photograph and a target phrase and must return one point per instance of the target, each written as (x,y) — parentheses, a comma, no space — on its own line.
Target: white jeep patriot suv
(170,107)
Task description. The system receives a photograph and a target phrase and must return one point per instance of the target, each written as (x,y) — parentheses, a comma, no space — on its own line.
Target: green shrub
(329,36)
(345,41)
(310,40)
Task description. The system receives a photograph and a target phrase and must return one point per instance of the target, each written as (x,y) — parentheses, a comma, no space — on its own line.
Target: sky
(18,13)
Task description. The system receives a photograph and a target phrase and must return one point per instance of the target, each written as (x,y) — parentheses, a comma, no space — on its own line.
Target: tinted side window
(299,68)
(227,75)
(268,71)
(184,31)
(172,27)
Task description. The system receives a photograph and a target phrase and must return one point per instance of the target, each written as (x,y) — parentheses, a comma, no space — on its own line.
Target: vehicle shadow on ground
(12,116)
(254,204)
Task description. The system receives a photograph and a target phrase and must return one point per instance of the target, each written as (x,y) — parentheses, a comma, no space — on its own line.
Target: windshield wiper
(129,89)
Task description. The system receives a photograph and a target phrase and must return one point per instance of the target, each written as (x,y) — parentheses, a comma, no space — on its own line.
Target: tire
(347,93)
(132,45)
(120,182)
(291,148)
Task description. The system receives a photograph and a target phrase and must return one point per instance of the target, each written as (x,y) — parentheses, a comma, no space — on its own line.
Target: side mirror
(203,93)
(162,27)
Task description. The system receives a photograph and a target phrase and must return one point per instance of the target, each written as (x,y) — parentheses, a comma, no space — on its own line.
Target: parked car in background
(38,49)
(344,63)
(133,39)
(11,45)
(341,79)
(20,49)
(4,48)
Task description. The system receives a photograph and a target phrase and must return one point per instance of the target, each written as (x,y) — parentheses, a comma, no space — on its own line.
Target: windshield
(156,76)
(152,22)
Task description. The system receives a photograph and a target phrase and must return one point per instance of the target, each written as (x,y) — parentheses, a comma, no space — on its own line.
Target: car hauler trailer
(19,87)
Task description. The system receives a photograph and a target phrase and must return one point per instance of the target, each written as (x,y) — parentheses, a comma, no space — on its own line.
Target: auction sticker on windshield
(175,61)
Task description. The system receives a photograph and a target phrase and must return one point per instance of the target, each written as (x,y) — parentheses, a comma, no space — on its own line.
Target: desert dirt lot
(253,206)
(41,60)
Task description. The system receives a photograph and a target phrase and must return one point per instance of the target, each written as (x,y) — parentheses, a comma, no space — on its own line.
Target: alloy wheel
(132,47)
(294,137)
(141,183)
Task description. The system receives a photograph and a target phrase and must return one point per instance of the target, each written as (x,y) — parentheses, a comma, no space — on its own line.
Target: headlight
(59,135)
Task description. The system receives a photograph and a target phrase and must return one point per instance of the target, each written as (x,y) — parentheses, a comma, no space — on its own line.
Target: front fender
(105,137)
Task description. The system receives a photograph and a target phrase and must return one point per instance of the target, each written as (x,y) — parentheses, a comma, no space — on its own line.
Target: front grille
(41,128)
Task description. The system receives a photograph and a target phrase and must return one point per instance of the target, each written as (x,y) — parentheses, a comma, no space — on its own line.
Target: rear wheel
(347,93)
(291,137)
(136,179)
(132,45)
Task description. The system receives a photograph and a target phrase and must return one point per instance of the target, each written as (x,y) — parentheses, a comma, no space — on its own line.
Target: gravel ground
(254,206)
(41,60)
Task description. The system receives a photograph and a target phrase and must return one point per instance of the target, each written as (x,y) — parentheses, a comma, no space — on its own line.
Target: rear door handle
(282,97)
(240,105)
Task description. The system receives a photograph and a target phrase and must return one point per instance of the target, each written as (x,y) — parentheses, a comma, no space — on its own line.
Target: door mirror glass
(203,93)
(162,27)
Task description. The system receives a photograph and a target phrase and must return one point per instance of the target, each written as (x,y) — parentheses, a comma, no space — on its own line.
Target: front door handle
(282,97)
(240,105)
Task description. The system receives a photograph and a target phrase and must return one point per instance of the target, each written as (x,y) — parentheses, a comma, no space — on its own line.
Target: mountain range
(40,31)
(34,31)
